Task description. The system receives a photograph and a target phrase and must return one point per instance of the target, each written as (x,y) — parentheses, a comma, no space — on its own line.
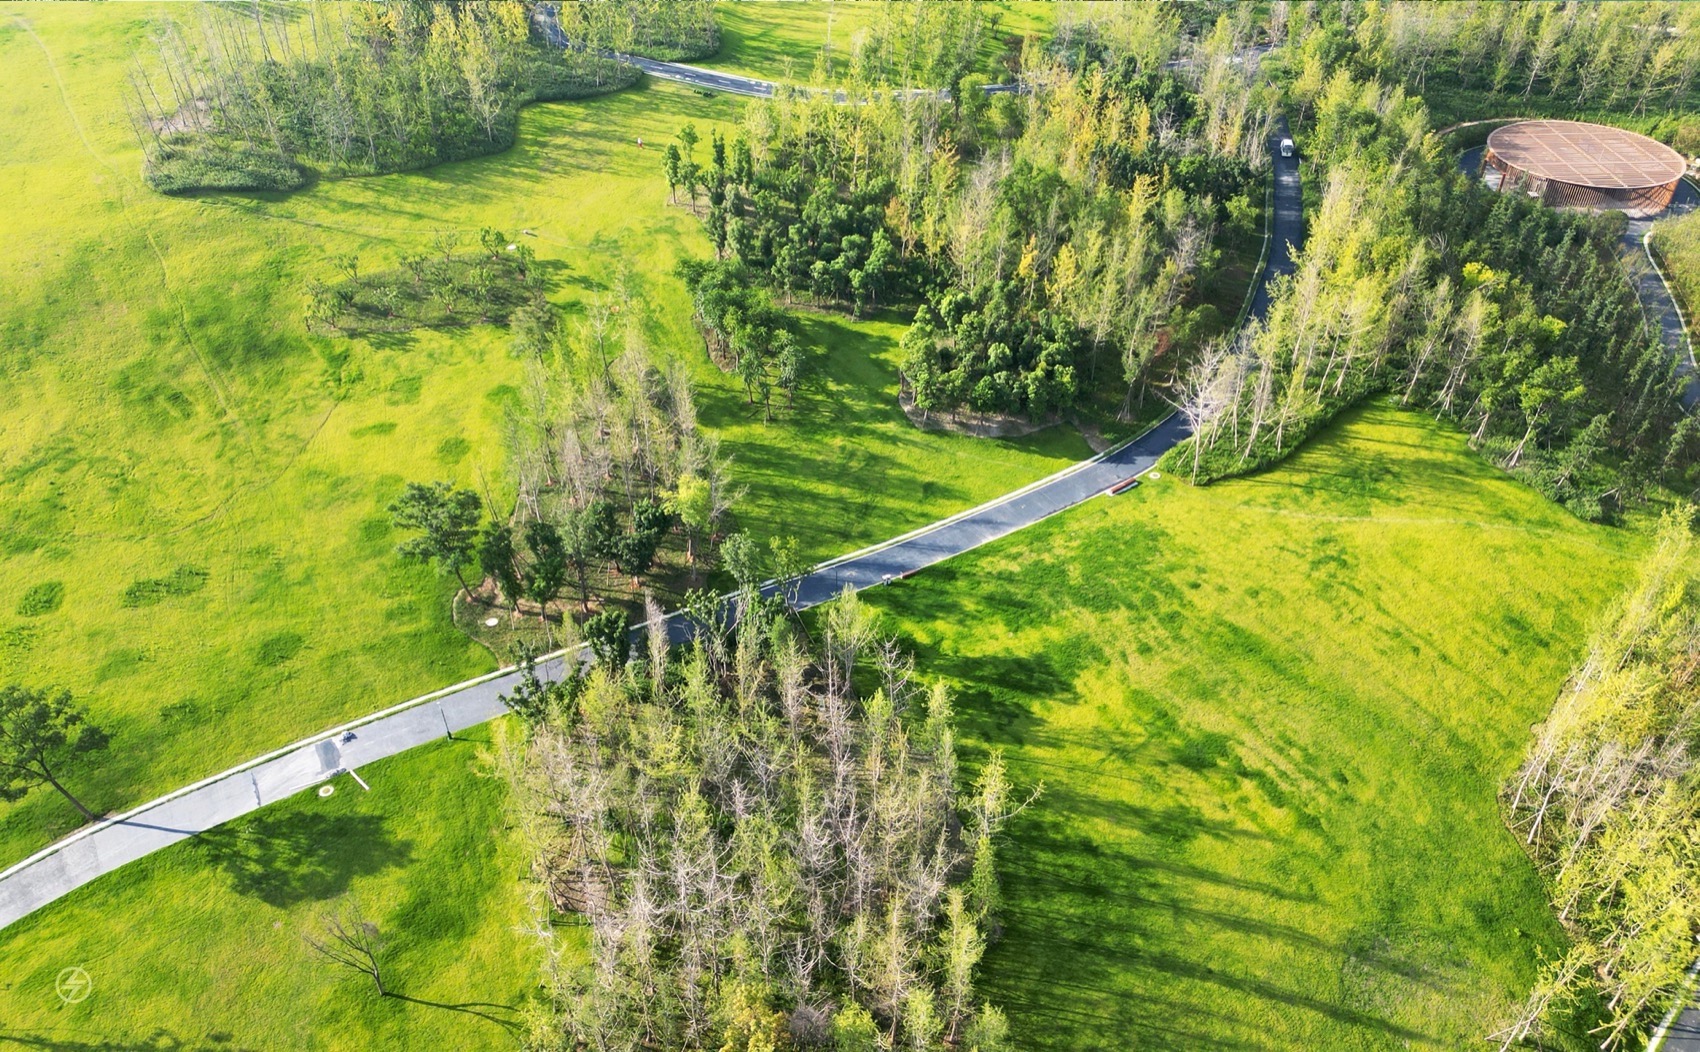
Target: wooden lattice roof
(1586,154)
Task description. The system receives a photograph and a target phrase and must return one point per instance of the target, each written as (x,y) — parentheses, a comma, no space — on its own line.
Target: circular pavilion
(1568,164)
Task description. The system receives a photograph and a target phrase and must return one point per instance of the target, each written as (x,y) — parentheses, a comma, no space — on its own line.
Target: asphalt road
(1682,1036)
(104,846)
(1657,301)
(1287,231)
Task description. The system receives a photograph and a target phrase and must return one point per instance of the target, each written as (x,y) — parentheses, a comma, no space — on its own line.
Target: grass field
(201,945)
(203,484)
(1270,714)
(1270,717)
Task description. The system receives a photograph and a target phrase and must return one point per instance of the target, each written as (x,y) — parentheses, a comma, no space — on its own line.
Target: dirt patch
(996,425)
(192,117)
(979,425)
(1095,439)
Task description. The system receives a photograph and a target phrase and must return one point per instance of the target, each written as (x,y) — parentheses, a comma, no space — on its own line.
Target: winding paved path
(104,846)
(1679,1033)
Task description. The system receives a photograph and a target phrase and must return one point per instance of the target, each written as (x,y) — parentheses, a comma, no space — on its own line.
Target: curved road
(104,846)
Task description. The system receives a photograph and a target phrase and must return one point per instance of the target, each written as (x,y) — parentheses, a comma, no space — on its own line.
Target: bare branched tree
(347,939)
(744,830)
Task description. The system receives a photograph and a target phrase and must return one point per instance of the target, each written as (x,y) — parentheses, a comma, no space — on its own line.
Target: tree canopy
(1513,319)
(1607,804)
(1039,234)
(253,99)
(42,732)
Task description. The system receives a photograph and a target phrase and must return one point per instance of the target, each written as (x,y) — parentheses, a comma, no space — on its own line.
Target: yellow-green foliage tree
(1608,805)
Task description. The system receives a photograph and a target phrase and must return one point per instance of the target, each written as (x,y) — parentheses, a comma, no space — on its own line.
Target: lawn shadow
(1374,454)
(469,1008)
(1113,927)
(400,340)
(292,857)
(160,1040)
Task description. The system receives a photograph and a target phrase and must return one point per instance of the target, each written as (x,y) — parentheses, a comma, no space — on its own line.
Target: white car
(1286,147)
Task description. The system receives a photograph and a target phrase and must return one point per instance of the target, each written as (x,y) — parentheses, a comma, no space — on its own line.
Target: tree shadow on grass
(289,858)
(1124,940)
(399,341)
(469,1008)
(995,706)
(66,1039)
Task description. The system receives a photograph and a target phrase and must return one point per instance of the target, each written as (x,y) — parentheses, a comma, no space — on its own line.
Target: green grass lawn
(1270,716)
(205,482)
(201,946)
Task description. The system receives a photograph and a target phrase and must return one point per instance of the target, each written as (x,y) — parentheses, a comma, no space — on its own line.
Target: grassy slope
(1270,716)
(162,407)
(201,946)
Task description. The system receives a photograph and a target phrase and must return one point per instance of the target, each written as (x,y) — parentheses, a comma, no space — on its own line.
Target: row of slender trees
(1635,56)
(610,466)
(663,29)
(929,44)
(1607,803)
(255,95)
(610,458)
(770,843)
(745,332)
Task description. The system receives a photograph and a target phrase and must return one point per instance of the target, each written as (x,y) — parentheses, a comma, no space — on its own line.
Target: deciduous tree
(42,733)
(345,938)
(445,517)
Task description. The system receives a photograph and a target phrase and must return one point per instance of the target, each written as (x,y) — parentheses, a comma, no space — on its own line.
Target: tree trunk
(66,793)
